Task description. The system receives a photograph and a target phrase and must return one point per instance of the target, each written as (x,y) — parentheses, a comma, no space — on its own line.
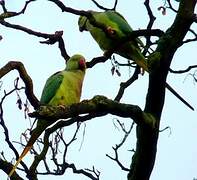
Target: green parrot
(116,28)
(62,88)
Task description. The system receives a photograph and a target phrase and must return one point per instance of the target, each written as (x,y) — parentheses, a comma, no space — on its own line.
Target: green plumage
(115,30)
(62,88)
(118,29)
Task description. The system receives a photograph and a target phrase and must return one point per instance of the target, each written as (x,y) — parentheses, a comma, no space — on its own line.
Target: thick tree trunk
(144,157)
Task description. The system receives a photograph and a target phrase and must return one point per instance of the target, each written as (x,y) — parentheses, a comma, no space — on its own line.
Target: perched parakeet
(116,28)
(62,88)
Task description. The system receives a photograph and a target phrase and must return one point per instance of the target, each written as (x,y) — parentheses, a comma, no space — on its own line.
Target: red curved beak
(82,64)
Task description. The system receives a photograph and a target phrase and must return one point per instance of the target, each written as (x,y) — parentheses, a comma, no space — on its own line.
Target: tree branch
(9,14)
(183,71)
(104,8)
(12,65)
(99,104)
(152,19)
(145,154)
(52,38)
(61,168)
(118,146)
(193,39)
(7,167)
(6,132)
(126,84)
(99,6)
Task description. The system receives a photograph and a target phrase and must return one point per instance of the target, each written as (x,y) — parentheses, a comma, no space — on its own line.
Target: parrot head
(76,62)
(82,23)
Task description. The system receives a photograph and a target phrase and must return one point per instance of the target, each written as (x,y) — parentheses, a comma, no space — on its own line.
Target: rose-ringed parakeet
(117,28)
(114,30)
(62,88)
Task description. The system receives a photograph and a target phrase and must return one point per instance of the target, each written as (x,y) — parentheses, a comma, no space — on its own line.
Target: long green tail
(41,126)
(140,60)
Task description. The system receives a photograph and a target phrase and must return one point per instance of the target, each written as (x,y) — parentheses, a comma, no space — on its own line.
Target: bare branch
(9,14)
(190,40)
(118,146)
(195,18)
(183,71)
(61,168)
(126,84)
(115,4)
(52,38)
(152,18)
(81,171)
(12,65)
(99,104)
(100,59)
(6,167)
(6,132)
(99,6)
(94,171)
(64,8)
(166,128)
(104,8)
(2,3)
(171,7)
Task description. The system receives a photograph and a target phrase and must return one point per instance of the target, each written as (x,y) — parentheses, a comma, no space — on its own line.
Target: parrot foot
(142,71)
(111,31)
(62,106)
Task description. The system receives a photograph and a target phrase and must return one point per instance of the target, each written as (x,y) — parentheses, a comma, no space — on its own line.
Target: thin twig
(192,39)
(99,6)
(116,148)
(126,84)
(152,19)
(183,71)
(6,132)
(9,14)
(12,65)
(171,7)
(51,38)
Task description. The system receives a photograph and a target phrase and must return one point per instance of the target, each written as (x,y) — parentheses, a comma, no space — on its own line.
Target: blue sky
(176,150)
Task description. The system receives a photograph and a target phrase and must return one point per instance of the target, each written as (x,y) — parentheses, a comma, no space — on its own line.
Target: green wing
(121,28)
(51,87)
(118,22)
(113,20)
(61,88)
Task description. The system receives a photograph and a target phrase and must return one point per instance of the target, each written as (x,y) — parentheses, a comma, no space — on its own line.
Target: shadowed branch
(12,65)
